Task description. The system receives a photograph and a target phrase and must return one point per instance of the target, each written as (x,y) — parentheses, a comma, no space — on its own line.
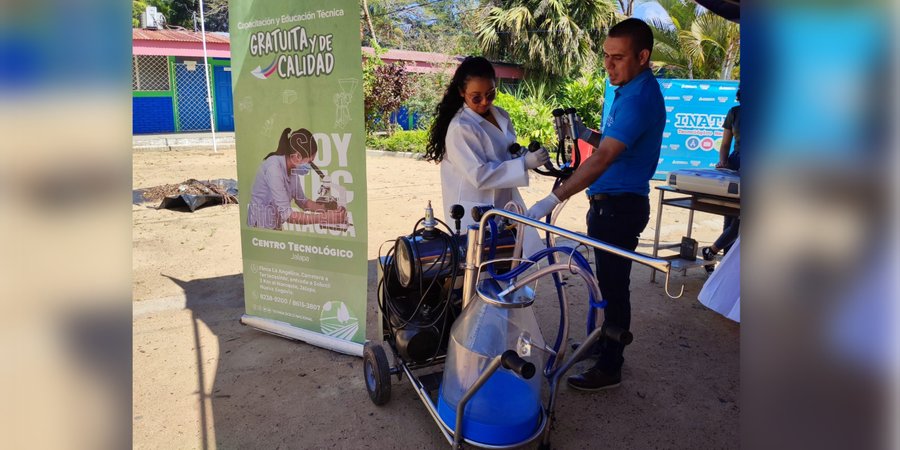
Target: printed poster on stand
(300,138)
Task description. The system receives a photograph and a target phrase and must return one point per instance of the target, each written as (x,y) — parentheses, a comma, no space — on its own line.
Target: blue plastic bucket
(504,411)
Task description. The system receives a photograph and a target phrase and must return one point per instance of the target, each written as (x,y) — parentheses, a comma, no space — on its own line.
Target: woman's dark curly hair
(472,66)
(300,141)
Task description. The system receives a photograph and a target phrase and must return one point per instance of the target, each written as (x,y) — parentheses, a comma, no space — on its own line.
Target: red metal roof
(176,36)
(414,56)
(188,43)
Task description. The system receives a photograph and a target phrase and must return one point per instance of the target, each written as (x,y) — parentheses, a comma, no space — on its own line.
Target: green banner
(300,137)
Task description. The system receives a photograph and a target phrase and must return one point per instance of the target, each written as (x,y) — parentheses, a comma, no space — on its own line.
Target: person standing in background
(732,225)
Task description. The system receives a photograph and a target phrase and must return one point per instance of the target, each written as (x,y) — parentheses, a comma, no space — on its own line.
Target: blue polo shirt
(637,118)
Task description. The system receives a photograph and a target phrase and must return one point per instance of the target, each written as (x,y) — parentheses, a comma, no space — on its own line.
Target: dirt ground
(202,380)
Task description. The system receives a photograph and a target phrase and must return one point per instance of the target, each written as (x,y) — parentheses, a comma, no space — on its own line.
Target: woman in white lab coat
(275,186)
(470,138)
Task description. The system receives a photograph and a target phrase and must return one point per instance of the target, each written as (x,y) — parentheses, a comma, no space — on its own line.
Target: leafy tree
(716,43)
(380,27)
(216,14)
(426,90)
(139,6)
(420,25)
(386,88)
(699,44)
(550,37)
(585,94)
(367,17)
(369,63)
(531,114)
(183,13)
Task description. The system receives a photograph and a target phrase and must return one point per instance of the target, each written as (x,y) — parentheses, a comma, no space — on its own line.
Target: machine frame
(378,371)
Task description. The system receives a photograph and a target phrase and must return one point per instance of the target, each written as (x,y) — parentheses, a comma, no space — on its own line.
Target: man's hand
(722,165)
(537,158)
(542,208)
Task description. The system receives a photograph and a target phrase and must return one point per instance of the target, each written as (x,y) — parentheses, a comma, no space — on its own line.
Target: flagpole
(212,122)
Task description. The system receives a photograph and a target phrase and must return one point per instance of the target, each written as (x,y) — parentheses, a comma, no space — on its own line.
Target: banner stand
(284,329)
(297,86)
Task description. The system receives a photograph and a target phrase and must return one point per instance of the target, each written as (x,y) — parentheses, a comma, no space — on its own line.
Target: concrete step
(198,141)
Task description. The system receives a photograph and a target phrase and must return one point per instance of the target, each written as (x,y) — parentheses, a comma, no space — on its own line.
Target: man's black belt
(603,196)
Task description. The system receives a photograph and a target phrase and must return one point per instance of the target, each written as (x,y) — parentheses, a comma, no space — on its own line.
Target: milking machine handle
(548,170)
(512,361)
(661,265)
(566,129)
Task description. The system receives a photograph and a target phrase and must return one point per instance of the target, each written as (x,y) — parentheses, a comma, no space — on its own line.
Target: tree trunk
(730,56)
(369,21)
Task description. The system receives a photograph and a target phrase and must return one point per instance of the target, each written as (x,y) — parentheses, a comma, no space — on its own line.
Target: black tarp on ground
(190,194)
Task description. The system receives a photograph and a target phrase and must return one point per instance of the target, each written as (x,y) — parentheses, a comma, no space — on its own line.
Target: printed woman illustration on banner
(278,183)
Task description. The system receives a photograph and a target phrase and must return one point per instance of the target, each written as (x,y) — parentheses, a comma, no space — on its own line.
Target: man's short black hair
(640,33)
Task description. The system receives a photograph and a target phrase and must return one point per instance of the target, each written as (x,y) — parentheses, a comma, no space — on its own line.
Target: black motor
(418,293)
(420,287)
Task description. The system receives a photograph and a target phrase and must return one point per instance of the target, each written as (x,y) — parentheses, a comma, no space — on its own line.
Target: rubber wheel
(377,373)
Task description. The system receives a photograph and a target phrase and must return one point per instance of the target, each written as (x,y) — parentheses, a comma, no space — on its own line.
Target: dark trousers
(617,220)
(732,225)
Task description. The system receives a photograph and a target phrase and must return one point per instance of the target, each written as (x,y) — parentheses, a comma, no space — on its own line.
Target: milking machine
(455,310)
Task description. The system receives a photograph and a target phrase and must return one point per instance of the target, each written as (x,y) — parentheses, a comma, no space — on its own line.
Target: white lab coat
(478,169)
(273,190)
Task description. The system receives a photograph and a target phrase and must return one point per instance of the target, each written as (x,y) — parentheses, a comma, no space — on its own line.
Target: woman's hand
(319,215)
(335,216)
(536,158)
(311,205)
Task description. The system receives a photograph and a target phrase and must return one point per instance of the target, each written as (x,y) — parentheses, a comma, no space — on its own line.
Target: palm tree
(716,42)
(698,44)
(627,6)
(669,47)
(550,37)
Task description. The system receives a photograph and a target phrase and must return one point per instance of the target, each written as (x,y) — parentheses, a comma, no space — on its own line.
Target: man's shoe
(594,379)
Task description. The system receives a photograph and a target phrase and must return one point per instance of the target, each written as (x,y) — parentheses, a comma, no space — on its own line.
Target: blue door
(224,105)
(193,110)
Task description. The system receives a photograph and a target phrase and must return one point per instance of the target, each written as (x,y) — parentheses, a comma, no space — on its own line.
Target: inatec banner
(695,114)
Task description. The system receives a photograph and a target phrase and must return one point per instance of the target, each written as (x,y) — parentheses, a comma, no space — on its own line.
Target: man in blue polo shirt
(618,173)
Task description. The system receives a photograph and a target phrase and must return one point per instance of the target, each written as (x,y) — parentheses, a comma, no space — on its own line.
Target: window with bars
(150,73)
